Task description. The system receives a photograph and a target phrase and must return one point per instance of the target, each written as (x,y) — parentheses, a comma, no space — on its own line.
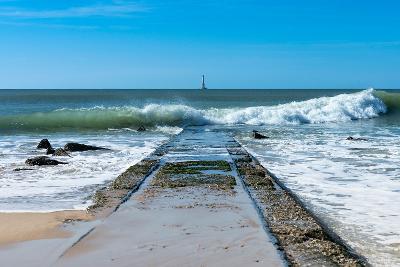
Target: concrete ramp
(191,211)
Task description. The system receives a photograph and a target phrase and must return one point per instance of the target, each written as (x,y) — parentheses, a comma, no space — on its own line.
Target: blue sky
(169,44)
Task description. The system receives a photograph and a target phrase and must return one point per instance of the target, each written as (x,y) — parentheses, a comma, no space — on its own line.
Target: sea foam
(344,107)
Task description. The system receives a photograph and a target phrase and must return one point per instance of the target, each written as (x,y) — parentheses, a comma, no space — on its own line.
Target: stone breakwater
(204,160)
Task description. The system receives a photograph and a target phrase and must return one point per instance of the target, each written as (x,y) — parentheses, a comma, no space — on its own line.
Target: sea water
(353,186)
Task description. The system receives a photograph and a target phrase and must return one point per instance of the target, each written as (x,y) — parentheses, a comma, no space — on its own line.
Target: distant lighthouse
(203,83)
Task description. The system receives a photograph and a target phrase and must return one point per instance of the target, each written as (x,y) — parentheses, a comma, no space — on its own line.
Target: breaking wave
(345,107)
(391,100)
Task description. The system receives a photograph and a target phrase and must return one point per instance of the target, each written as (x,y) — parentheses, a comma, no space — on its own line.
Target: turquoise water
(25,101)
(353,186)
(63,110)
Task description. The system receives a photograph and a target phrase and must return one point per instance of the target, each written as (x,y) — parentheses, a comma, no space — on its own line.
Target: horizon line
(198,89)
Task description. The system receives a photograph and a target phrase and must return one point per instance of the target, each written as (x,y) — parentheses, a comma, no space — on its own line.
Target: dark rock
(75,147)
(50,151)
(257,135)
(141,129)
(59,152)
(350,138)
(44,144)
(43,160)
(22,169)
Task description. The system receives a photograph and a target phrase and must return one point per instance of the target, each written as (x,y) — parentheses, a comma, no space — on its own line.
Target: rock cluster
(257,135)
(43,160)
(76,147)
(60,152)
(44,144)
(141,129)
(351,138)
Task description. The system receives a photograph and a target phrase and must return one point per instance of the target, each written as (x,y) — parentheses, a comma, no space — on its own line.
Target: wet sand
(18,227)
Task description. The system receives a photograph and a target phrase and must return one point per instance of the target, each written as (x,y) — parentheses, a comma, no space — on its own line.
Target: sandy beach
(18,227)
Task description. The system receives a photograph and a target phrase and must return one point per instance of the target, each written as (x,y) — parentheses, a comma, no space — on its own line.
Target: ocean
(354,186)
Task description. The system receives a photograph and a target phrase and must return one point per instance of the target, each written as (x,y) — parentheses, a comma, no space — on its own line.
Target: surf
(365,104)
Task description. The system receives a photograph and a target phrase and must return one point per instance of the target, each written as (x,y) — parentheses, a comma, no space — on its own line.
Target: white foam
(169,130)
(66,186)
(345,107)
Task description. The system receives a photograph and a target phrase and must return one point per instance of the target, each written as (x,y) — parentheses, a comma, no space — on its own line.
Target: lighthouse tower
(203,83)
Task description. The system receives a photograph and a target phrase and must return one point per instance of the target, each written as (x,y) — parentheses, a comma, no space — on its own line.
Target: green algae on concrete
(100,199)
(195,167)
(194,173)
(130,177)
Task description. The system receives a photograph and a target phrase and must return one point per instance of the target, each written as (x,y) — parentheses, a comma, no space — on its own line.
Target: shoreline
(40,211)
(24,225)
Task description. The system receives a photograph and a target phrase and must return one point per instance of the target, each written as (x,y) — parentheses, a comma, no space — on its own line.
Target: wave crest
(344,107)
(391,100)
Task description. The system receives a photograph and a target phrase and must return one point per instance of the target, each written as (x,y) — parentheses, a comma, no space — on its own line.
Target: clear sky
(171,43)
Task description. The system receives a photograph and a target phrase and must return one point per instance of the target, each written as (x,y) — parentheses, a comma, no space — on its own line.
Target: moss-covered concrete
(100,200)
(194,173)
(129,179)
(196,167)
